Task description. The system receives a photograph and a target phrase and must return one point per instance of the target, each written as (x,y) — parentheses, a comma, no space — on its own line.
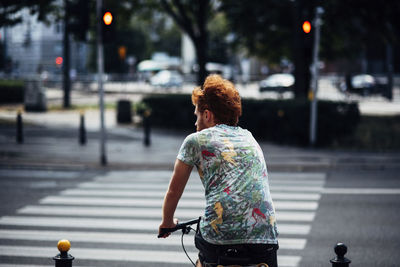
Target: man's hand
(167,225)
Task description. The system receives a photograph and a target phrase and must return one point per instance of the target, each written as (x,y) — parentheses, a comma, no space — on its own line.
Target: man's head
(217,102)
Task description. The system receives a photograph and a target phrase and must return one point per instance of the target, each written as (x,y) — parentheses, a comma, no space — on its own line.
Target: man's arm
(177,184)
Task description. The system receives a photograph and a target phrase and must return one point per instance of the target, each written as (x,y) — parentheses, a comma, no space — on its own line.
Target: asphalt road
(365,218)
(367,222)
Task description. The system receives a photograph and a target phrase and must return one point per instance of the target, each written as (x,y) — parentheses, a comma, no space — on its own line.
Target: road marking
(126,255)
(166,175)
(40,174)
(128,186)
(140,202)
(361,191)
(129,201)
(154,213)
(122,238)
(297,175)
(30,265)
(120,224)
(191,194)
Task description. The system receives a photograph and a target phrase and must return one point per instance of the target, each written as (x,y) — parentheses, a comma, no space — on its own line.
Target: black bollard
(20,134)
(63,259)
(147,127)
(82,130)
(340,260)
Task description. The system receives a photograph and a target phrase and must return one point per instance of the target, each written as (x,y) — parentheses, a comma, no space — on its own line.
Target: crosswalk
(113,220)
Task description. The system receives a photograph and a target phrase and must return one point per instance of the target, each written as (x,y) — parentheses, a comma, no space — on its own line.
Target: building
(34,47)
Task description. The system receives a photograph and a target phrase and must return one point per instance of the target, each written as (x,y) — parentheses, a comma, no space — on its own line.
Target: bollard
(147,127)
(340,260)
(63,259)
(20,134)
(82,129)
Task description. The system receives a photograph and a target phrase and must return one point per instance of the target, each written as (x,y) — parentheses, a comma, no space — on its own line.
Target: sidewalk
(51,141)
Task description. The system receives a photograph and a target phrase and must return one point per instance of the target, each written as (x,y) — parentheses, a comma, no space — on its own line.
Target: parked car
(362,84)
(277,82)
(167,79)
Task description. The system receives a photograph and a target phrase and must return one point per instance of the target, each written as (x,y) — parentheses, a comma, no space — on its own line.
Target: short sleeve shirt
(231,166)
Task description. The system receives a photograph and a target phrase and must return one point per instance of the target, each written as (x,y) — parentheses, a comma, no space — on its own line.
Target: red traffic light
(107,18)
(306,26)
(59,60)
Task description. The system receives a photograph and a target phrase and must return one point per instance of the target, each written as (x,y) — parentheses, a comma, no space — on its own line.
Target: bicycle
(226,260)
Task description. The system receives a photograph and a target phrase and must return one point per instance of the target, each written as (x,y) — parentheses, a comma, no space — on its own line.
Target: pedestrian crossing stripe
(154,203)
(282,216)
(120,238)
(117,224)
(126,186)
(198,184)
(166,175)
(160,194)
(125,255)
(131,202)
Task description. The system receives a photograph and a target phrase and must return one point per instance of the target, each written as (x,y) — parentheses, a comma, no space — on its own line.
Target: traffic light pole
(314,79)
(100,72)
(66,62)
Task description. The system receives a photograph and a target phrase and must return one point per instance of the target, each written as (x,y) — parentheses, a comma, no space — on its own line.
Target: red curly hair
(221,98)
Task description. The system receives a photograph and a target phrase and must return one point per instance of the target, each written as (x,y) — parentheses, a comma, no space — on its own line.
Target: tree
(192,17)
(271,29)
(9,10)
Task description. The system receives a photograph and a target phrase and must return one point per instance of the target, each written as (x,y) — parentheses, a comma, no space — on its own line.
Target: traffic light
(78,18)
(306,26)
(108,26)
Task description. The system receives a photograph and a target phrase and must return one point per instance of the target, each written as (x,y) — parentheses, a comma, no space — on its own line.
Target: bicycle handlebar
(184,226)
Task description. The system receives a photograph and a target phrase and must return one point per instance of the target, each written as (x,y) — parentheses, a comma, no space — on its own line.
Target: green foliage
(373,133)
(10,10)
(267,28)
(171,111)
(287,121)
(280,121)
(217,43)
(11,91)
(264,28)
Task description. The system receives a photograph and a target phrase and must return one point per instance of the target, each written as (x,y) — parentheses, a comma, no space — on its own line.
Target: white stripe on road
(121,238)
(30,265)
(97,201)
(39,174)
(166,175)
(127,255)
(362,191)
(160,194)
(119,224)
(297,175)
(199,185)
(142,212)
(108,212)
(126,186)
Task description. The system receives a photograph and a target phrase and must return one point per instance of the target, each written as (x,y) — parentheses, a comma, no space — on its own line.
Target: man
(239,216)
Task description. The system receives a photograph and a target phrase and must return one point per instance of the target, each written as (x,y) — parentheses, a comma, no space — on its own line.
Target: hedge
(279,121)
(11,91)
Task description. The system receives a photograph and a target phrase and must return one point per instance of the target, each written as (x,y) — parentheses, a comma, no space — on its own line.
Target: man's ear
(209,116)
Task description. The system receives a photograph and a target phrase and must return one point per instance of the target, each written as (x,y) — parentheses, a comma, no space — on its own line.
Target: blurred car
(362,84)
(277,82)
(167,79)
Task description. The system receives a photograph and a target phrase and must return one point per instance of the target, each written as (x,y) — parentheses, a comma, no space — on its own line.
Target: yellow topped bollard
(63,259)
(63,245)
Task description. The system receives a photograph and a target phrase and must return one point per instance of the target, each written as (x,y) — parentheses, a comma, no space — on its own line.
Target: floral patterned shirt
(233,171)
